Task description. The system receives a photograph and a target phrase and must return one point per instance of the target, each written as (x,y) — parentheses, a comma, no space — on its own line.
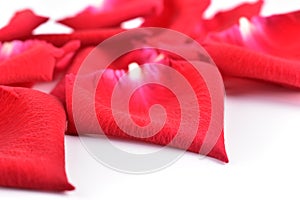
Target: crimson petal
(32,129)
(59,89)
(182,16)
(139,56)
(29,61)
(277,35)
(225,19)
(69,49)
(240,62)
(21,25)
(139,105)
(23,63)
(93,17)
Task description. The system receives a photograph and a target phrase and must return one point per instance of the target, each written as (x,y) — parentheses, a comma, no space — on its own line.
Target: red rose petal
(93,17)
(21,25)
(240,62)
(139,105)
(29,61)
(139,57)
(277,35)
(32,129)
(59,89)
(183,16)
(225,19)
(87,37)
(69,50)
(33,60)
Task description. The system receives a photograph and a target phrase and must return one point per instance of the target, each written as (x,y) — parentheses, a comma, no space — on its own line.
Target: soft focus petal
(33,60)
(140,57)
(112,13)
(21,25)
(277,35)
(141,100)
(182,16)
(29,61)
(265,48)
(32,129)
(225,19)
(69,49)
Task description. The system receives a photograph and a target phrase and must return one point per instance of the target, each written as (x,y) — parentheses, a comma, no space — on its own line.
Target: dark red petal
(69,50)
(139,105)
(21,25)
(59,89)
(32,129)
(182,16)
(240,62)
(225,19)
(277,35)
(93,17)
(87,37)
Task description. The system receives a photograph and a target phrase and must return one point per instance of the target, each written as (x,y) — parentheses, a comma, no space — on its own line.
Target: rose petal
(241,62)
(182,16)
(69,50)
(276,35)
(87,37)
(93,17)
(33,60)
(225,19)
(140,103)
(32,129)
(21,25)
(29,61)
(140,57)
(59,89)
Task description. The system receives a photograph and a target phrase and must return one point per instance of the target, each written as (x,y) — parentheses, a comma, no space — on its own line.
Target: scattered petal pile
(240,41)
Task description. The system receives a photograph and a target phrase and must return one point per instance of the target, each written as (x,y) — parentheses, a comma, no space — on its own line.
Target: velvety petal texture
(240,41)
(32,129)
(139,105)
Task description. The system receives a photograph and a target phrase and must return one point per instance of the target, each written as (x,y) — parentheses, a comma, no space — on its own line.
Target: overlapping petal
(32,129)
(32,60)
(225,19)
(59,89)
(21,25)
(112,13)
(139,105)
(265,48)
(275,35)
(182,16)
(240,62)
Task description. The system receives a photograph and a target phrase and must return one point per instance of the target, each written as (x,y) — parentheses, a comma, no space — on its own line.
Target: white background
(262,132)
